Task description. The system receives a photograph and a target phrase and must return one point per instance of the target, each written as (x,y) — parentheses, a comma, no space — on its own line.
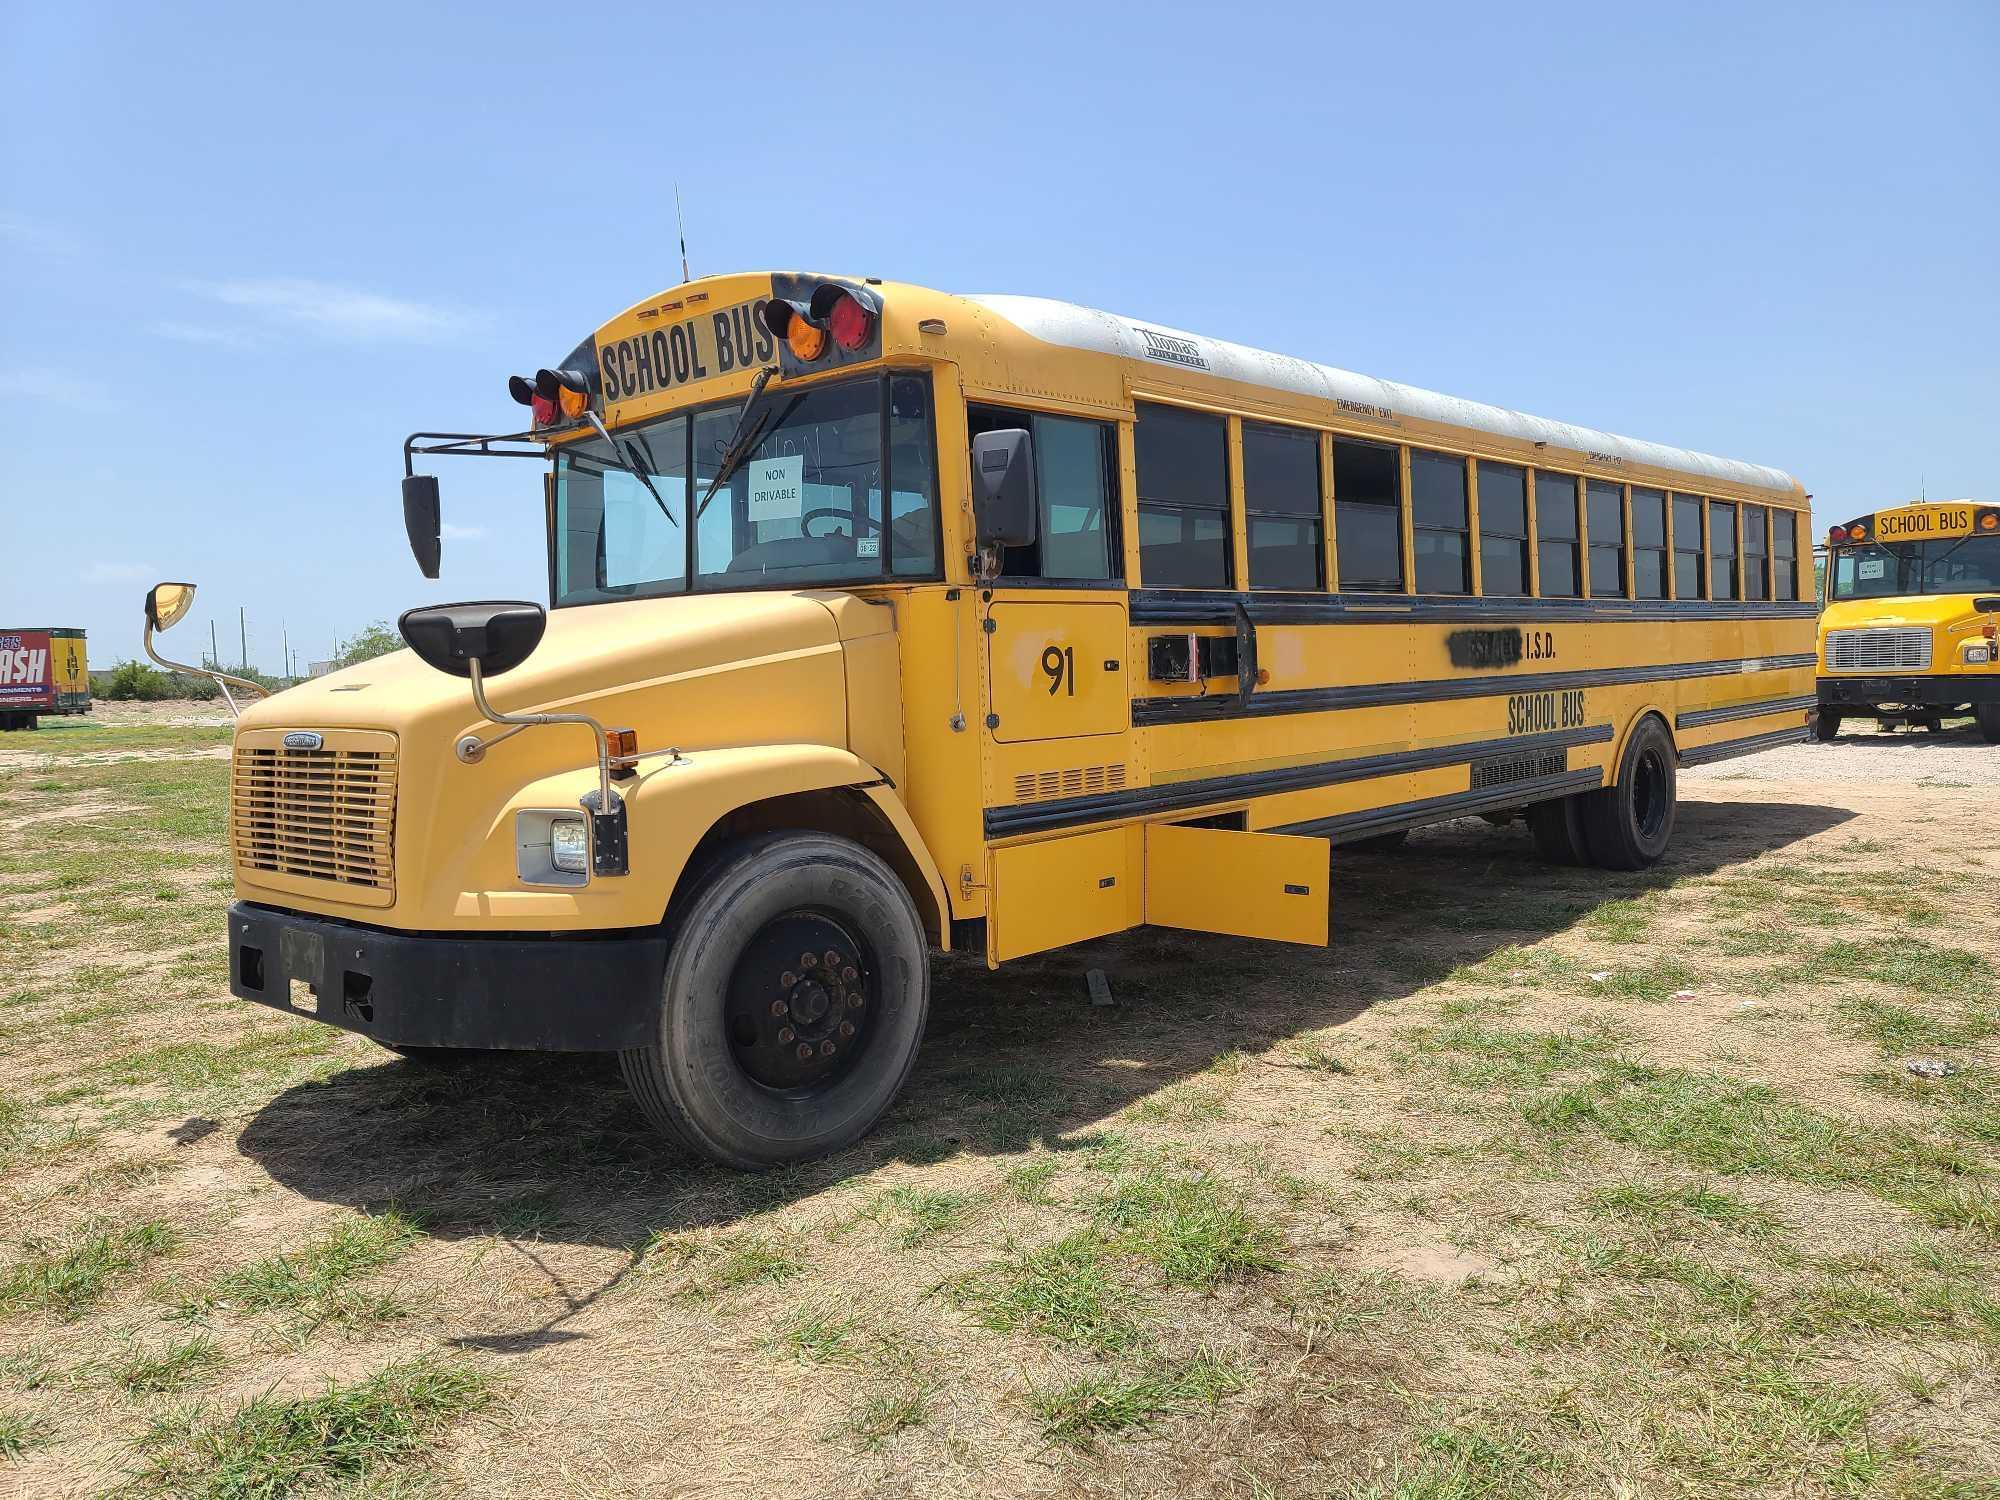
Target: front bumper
(518,993)
(1941,692)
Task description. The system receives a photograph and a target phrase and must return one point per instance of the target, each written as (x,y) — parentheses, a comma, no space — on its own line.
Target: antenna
(681,224)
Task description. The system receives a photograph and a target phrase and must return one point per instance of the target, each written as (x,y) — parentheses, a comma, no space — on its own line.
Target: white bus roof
(1106,333)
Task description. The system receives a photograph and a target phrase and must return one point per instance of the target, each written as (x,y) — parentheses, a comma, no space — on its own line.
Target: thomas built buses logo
(1172,348)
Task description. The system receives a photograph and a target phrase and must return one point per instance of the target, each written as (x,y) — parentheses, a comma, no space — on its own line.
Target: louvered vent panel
(1075,781)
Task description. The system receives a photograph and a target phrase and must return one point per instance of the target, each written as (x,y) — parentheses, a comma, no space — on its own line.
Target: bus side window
(1556,535)
(1281,506)
(1649,543)
(1721,550)
(1368,517)
(1184,525)
(1503,530)
(1784,555)
(1076,471)
(1689,574)
(1755,550)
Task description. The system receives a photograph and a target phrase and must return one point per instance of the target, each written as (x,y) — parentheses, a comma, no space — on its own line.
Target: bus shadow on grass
(551,1149)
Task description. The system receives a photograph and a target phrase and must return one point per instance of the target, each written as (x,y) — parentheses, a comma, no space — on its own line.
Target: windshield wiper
(618,454)
(742,440)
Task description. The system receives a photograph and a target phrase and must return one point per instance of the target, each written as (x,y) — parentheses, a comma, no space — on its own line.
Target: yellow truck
(883,620)
(1912,608)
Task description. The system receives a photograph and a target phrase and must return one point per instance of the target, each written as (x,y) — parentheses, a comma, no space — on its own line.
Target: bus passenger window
(1649,544)
(1690,577)
(1755,550)
(1503,530)
(1784,555)
(1721,549)
(1438,523)
(1368,517)
(1607,539)
(1281,506)
(1556,535)
(1183,463)
(1076,473)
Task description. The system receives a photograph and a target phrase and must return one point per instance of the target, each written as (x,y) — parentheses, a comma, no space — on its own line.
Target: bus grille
(1878,650)
(316,819)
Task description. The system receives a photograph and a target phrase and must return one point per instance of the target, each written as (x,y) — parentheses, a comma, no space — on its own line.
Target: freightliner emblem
(303,739)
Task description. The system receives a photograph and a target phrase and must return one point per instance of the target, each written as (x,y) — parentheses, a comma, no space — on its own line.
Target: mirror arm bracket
(222,680)
(605,807)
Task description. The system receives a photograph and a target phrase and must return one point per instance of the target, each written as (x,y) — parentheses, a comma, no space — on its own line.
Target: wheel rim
(1649,794)
(801,1004)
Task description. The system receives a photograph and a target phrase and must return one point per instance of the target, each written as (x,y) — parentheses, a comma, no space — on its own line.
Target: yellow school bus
(1911,608)
(883,620)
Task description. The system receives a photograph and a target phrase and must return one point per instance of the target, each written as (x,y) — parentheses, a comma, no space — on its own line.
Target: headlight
(1978,655)
(569,845)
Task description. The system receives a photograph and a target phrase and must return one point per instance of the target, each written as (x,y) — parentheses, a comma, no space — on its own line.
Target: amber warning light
(552,396)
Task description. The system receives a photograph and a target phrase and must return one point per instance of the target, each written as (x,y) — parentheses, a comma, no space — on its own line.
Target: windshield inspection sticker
(777,488)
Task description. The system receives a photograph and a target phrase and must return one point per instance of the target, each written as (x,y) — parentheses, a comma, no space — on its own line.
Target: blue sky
(246,249)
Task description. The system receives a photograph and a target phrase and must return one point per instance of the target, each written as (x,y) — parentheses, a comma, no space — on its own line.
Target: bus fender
(675,804)
(1617,756)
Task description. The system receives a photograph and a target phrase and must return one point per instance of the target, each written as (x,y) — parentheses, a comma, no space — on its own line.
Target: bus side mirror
(167,604)
(420,520)
(1006,509)
(497,634)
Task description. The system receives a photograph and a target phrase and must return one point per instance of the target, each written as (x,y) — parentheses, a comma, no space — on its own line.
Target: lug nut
(832,959)
(785,1033)
(808,960)
(779,1008)
(849,975)
(826,1049)
(805,1050)
(847,1028)
(787,979)
(855,1002)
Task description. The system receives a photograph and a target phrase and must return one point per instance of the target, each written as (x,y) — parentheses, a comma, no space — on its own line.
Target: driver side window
(1076,471)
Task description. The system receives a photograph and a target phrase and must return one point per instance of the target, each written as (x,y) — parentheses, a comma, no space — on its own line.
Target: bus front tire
(1826,726)
(1628,824)
(792,1007)
(1557,827)
(1987,716)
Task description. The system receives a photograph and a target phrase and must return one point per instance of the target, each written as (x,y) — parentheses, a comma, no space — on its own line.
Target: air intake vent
(1491,773)
(1077,781)
(1878,650)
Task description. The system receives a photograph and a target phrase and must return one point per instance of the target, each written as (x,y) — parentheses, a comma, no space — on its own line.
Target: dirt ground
(1538,1181)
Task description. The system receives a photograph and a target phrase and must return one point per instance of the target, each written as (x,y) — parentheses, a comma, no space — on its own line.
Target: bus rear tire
(1558,830)
(1987,717)
(792,1008)
(1826,726)
(1629,823)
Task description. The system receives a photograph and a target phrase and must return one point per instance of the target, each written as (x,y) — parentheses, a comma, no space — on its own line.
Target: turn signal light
(624,743)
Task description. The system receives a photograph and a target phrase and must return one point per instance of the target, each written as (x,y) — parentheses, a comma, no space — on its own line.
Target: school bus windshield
(805,507)
(1948,566)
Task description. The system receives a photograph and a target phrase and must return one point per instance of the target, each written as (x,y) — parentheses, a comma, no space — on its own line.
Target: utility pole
(214,651)
(285,635)
(243,640)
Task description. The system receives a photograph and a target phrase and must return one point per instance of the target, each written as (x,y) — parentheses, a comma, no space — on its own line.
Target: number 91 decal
(1059,666)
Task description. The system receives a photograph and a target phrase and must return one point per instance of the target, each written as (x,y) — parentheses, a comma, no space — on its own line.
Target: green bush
(134,680)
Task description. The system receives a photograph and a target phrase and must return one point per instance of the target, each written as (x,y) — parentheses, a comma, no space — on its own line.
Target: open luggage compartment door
(1260,885)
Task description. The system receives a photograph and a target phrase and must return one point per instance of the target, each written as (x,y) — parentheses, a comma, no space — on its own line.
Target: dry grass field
(1538,1182)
